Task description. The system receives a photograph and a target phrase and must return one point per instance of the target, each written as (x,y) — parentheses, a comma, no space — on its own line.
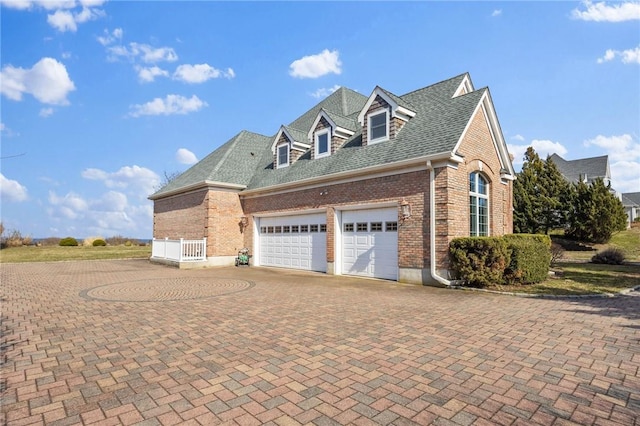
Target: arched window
(478,205)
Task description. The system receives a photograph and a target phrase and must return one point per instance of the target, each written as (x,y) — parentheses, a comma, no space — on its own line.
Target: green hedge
(530,258)
(480,261)
(99,243)
(68,242)
(510,259)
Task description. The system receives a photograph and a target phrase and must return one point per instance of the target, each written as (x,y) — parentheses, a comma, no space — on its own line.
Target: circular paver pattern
(166,289)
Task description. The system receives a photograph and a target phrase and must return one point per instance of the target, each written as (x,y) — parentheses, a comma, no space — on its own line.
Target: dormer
(287,147)
(328,132)
(383,116)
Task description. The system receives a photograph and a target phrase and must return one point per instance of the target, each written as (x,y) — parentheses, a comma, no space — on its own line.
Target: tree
(596,213)
(540,196)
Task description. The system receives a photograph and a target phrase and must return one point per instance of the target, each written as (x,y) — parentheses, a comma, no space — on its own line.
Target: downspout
(432,219)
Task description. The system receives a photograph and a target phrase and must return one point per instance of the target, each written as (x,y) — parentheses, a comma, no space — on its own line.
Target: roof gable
(400,108)
(583,168)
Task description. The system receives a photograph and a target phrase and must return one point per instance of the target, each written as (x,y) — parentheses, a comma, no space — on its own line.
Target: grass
(578,279)
(628,241)
(57,253)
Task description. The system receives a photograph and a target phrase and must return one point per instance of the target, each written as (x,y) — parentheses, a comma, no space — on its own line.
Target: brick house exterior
(384,182)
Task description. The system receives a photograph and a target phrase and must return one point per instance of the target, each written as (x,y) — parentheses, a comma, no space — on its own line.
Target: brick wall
(413,234)
(207,213)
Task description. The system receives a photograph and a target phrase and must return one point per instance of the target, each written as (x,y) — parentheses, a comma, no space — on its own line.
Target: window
(283,156)
(348,227)
(362,227)
(294,229)
(376,226)
(313,228)
(322,144)
(285,229)
(304,228)
(478,205)
(270,229)
(263,229)
(278,229)
(378,127)
(391,226)
(323,228)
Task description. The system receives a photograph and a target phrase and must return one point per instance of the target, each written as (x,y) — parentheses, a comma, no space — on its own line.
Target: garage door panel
(368,248)
(286,241)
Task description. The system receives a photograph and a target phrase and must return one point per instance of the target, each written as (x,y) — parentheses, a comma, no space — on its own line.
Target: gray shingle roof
(574,170)
(234,163)
(630,199)
(436,128)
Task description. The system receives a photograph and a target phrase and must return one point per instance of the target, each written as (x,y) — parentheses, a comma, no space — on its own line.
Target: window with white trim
(478,205)
(283,156)
(378,126)
(323,143)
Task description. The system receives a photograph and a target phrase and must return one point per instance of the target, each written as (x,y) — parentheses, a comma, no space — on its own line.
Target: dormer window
(322,143)
(378,129)
(283,156)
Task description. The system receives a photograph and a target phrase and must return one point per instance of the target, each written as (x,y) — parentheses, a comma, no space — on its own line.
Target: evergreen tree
(596,213)
(541,196)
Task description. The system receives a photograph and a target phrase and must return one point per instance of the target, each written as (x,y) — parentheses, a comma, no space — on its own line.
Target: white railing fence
(179,250)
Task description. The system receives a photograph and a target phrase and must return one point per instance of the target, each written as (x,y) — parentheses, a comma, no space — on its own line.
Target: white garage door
(297,242)
(370,243)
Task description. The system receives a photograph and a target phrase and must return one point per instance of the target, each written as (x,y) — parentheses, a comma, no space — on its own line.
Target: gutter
(432,220)
(198,185)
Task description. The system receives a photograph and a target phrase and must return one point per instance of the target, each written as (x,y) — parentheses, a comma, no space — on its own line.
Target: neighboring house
(372,186)
(631,203)
(584,169)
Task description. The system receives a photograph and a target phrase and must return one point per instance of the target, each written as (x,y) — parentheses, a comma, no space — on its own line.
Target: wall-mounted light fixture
(405,209)
(244,221)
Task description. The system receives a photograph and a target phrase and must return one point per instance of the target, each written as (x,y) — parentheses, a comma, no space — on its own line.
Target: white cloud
(65,20)
(602,12)
(147,75)
(629,56)
(12,190)
(496,12)
(324,91)
(7,132)
(69,206)
(170,105)
(543,148)
(45,4)
(140,180)
(47,81)
(110,37)
(200,73)
(314,66)
(518,138)
(618,148)
(184,156)
(144,52)
(46,112)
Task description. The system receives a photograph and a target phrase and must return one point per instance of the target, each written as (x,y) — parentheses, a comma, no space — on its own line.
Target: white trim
(300,146)
(384,138)
(388,169)
(319,133)
(490,117)
(396,110)
(465,87)
(289,213)
(205,184)
(282,165)
(478,196)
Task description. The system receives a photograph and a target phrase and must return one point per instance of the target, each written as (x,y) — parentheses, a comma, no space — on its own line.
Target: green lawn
(57,253)
(582,279)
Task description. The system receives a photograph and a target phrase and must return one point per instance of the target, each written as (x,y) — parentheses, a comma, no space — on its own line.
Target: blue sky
(101,99)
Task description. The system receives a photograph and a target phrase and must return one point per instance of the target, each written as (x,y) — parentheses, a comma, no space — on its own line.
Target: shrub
(15,239)
(610,256)
(128,243)
(68,242)
(480,261)
(530,258)
(99,243)
(88,242)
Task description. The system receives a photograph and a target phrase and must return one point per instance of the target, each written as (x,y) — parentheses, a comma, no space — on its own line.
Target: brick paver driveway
(124,342)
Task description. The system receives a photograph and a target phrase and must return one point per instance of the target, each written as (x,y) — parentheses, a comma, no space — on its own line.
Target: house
(584,169)
(631,203)
(373,186)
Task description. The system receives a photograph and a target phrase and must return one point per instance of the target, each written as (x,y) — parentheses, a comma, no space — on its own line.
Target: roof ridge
(233,141)
(435,84)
